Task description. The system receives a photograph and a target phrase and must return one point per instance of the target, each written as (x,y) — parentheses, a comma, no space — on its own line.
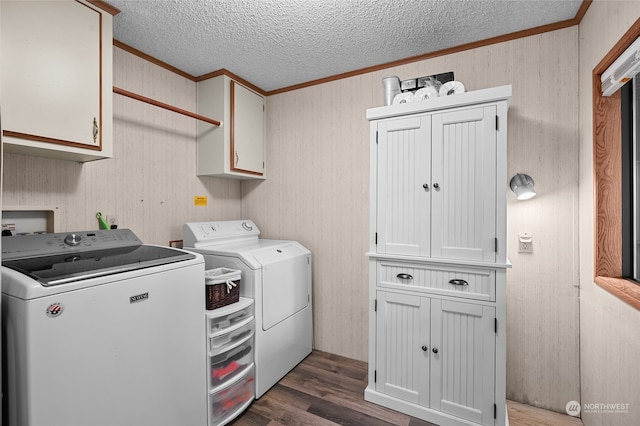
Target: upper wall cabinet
(237,148)
(56,94)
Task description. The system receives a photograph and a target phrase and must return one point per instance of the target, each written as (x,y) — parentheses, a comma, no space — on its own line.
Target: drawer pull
(404,276)
(458,282)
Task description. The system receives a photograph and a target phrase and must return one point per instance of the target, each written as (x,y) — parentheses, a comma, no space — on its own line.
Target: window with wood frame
(607,155)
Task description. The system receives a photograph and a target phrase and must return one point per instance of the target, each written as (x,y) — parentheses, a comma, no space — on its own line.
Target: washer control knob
(247,227)
(72,239)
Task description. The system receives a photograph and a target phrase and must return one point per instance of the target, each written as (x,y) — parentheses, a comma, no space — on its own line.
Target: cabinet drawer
(228,317)
(232,362)
(226,403)
(453,280)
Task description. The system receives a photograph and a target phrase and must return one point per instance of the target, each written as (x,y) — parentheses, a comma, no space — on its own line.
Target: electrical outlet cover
(525,243)
(112,219)
(525,247)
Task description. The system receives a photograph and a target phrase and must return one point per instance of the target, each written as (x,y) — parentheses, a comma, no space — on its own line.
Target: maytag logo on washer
(139,297)
(54,310)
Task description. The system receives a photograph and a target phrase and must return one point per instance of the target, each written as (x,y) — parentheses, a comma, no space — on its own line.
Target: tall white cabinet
(437,293)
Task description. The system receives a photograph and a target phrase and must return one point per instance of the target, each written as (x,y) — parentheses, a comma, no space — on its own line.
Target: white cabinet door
(403,181)
(463,201)
(247,130)
(402,364)
(56,78)
(463,360)
(436,183)
(437,353)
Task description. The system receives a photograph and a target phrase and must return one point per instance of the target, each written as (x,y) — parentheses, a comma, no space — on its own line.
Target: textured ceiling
(280,43)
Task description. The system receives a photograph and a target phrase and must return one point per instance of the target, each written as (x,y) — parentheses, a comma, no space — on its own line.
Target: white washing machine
(99,329)
(277,275)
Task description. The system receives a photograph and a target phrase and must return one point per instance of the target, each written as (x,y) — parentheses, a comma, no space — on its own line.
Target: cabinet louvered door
(402,365)
(463,201)
(404,164)
(462,370)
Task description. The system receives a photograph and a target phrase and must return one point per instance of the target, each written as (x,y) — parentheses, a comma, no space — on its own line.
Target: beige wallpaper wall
(609,343)
(317,193)
(151,181)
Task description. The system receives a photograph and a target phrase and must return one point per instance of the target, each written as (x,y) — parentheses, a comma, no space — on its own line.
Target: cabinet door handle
(425,186)
(96,130)
(424,348)
(434,350)
(436,186)
(458,282)
(237,158)
(404,276)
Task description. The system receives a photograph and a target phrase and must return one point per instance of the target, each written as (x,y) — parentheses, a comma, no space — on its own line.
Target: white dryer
(277,275)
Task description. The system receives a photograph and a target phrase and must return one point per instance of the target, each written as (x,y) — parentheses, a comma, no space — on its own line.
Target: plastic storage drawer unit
(231,368)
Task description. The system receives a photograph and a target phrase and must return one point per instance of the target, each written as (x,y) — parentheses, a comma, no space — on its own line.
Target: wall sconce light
(522,185)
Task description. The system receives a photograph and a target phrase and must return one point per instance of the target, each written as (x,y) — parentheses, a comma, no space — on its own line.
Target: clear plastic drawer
(229,316)
(231,335)
(230,363)
(227,402)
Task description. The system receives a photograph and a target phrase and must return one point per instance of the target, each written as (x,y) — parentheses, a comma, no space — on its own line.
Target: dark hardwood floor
(327,389)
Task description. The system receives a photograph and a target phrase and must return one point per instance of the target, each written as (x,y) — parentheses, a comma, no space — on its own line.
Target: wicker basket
(222,287)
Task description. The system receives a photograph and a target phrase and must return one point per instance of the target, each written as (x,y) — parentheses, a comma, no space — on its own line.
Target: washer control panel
(19,246)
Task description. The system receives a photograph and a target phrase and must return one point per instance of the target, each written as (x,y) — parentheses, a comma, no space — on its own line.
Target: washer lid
(59,258)
(67,267)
